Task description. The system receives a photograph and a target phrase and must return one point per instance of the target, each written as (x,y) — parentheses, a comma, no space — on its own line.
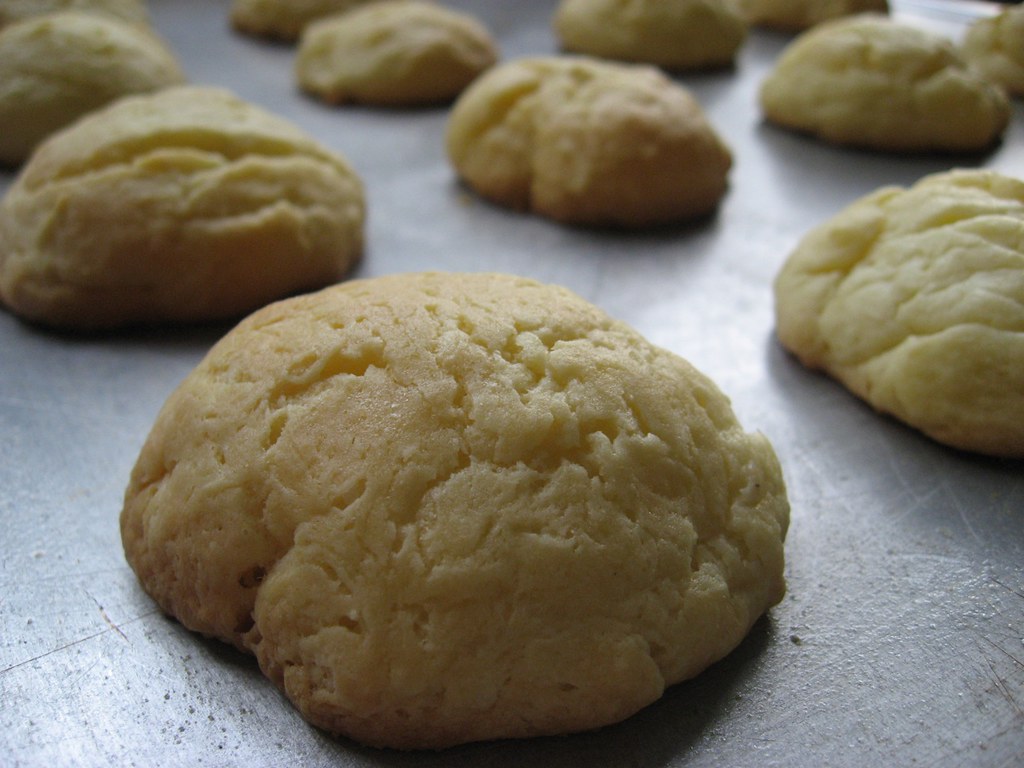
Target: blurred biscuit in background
(994,46)
(872,82)
(588,142)
(186,205)
(396,53)
(55,68)
(914,299)
(672,34)
(798,15)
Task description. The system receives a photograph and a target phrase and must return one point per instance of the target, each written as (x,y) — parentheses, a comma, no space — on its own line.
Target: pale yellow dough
(673,34)
(588,142)
(284,19)
(57,67)
(399,52)
(914,299)
(442,508)
(872,82)
(994,45)
(132,11)
(798,15)
(184,205)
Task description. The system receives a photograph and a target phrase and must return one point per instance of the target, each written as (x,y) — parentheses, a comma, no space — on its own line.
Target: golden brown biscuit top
(191,116)
(449,507)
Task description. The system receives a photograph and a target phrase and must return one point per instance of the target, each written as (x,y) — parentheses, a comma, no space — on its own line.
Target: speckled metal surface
(901,641)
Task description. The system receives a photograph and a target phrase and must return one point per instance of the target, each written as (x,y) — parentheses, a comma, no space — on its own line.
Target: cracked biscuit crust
(872,82)
(400,52)
(674,34)
(588,142)
(58,67)
(442,508)
(914,299)
(185,205)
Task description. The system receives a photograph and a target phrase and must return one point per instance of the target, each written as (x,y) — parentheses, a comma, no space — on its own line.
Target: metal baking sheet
(900,642)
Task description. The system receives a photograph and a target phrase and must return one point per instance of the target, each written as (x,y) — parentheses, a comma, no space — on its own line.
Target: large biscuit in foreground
(132,11)
(797,15)
(587,142)
(395,53)
(673,34)
(914,299)
(994,45)
(284,19)
(443,508)
(871,82)
(58,67)
(181,206)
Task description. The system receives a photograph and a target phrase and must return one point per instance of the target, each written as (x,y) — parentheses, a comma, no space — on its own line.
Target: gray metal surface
(901,640)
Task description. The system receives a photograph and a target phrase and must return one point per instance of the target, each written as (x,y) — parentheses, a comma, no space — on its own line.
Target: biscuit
(181,206)
(994,46)
(672,34)
(587,142)
(132,11)
(284,19)
(871,82)
(401,52)
(798,15)
(57,67)
(914,300)
(441,508)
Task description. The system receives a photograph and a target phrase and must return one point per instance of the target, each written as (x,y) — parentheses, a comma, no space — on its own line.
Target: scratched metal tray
(899,643)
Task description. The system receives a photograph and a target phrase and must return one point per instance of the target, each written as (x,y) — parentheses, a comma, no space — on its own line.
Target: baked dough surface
(673,34)
(133,11)
(442,508)
(185,205)
(587,142)
(399,52)
(872,82)
(56,67)
(994,45)
(284,19)
(797,15)
(914,299)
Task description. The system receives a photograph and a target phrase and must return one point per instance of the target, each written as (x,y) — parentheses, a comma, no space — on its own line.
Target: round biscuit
(588,142)
(185,205)
(284,19)
(672,34)
(914,300)
(798,15)
(395,53)
(132,11)
(994,46)
(55,68)
(442,508)
(872,82)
